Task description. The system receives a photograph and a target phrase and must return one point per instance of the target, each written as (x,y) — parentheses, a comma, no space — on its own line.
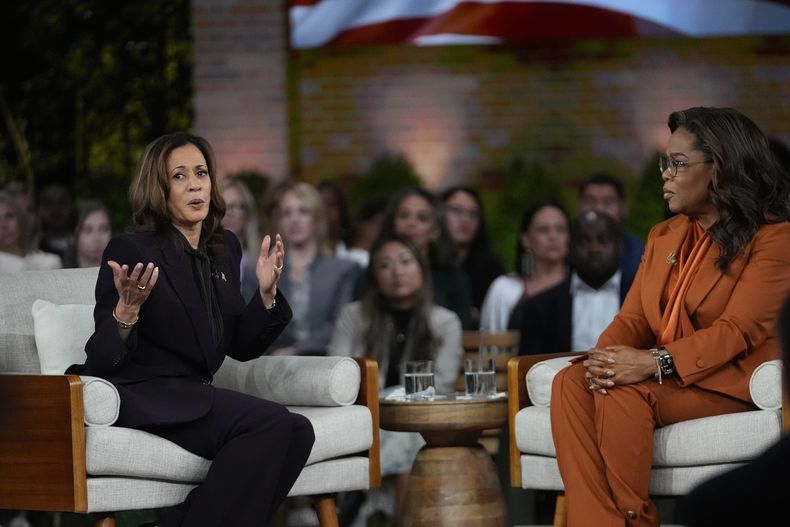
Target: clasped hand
(617,365)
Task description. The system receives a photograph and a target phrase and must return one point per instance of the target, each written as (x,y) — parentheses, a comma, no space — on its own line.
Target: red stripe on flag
(509,21)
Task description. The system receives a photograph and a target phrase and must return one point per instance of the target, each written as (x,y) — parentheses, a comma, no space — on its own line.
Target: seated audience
(572,315)
(541,256)
(16,250)
(697,321)
(752,494)
(91,235)
(466,224)
(605,193)
(317,285)
(339,228)
(366,228)
(57,215)
(397,321)
(416,214)
(241,219)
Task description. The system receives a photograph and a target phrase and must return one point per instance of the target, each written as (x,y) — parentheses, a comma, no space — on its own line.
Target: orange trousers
(605,442)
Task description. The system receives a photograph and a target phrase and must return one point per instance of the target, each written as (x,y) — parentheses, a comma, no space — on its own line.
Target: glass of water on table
(418,380)
(480,375)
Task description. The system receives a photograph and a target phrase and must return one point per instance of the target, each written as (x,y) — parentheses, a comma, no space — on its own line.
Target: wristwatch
(665,362)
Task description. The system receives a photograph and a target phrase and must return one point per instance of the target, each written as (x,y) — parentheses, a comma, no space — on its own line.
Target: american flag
(317,23)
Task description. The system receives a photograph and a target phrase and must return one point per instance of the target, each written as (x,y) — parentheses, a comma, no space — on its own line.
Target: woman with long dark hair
(168,311)
(466,223)
(698,320)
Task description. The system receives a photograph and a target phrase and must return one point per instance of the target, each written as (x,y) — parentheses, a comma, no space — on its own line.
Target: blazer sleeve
(630,326)
(105,349)
(340,295)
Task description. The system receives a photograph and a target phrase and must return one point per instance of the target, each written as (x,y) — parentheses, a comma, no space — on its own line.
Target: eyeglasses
(667,163)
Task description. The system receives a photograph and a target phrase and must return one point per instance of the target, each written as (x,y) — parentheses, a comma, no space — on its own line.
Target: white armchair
(60,452)
(684,454)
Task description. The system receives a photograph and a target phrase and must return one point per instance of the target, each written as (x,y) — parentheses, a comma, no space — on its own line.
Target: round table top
(453,412)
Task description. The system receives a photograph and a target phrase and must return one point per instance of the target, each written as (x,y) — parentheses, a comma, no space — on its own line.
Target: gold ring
(140,287)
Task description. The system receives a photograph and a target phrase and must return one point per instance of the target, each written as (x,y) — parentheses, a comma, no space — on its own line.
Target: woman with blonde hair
(318,285)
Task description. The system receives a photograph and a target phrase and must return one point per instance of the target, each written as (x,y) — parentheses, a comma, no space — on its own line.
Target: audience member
(698,320)
(605,193)
(541,255)
(416,214)
(339,230)
(572,315)
(397,321)
(317,285)
(16,250)
(752,494)
(241,218)
(466,223)
(91,235)
(366,228)
(57,215)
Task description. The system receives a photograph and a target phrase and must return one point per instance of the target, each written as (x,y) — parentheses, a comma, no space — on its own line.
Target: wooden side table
(453,481)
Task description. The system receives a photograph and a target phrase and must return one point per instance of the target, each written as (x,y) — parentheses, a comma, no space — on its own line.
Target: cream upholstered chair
(684,454)
(60,452)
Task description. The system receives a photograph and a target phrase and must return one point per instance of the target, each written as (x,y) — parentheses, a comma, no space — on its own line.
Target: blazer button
(630,515)
(700,363)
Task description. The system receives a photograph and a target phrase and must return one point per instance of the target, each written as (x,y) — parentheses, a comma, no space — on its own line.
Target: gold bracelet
(122,324)
(657,357)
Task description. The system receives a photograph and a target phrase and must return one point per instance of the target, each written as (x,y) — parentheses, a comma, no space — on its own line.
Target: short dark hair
(604,178)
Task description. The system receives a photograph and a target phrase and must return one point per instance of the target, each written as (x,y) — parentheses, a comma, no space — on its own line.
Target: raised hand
(269,267)
(133,287)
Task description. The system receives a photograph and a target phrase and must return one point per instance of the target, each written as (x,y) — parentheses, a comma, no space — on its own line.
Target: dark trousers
(258,449)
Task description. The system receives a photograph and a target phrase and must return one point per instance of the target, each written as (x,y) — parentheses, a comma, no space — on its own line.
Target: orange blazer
(734,313)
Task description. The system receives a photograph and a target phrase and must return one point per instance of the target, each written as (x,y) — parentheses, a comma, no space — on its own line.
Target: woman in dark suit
(168,310)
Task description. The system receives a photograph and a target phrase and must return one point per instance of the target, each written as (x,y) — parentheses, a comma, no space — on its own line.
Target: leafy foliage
(89,84)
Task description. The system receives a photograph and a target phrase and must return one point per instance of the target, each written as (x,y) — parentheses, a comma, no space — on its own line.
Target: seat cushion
(117,451)
(737,437)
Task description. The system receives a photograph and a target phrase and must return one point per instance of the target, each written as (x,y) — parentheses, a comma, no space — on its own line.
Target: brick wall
(240,83)
(460,112)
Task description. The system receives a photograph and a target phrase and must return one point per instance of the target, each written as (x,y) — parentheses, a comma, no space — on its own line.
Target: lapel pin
(222,275)
(671,259)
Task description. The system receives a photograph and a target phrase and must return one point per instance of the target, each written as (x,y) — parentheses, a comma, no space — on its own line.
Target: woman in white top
(395,322)
(16,253)
(540,261)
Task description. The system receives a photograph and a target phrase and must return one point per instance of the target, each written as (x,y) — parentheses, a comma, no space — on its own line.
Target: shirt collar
(613,284)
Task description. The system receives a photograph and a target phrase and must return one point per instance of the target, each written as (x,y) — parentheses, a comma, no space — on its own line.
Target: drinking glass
(480,377)
(418,380)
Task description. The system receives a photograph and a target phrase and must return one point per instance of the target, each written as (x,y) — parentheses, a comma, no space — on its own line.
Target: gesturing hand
(269,267)
(133,287)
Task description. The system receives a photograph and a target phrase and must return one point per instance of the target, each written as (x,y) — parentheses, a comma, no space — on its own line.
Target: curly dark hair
(748,188)
(150,189)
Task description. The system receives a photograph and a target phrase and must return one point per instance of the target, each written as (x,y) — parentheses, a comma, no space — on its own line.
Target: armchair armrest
(369,396)
(42,443)
(518,398)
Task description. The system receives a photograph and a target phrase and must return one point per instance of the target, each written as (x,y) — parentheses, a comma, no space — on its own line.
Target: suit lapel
(178,271)
(665,251)
(709,275)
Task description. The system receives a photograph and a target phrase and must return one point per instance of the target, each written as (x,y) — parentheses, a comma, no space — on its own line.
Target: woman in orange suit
(697,321)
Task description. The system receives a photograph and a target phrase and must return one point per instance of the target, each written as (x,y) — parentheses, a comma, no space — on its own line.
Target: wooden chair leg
(325,509)
(105,521)
(560,520)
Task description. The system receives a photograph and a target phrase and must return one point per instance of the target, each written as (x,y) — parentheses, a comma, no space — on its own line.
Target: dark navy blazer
(546,319)
(164,369)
